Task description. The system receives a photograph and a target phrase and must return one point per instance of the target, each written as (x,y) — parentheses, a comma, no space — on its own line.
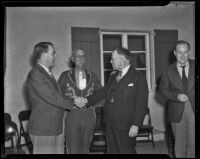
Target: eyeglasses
(116,59)
(54,52)
(80,56)
(184,52)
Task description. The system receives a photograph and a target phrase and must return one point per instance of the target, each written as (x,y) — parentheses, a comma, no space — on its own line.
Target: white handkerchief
(130,84)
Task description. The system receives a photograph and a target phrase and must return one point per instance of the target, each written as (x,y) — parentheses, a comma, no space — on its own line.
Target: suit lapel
(177,77)
(72,76)
(88,77)
(191,75)
(129,77)
(112,83)
(52,80)
(55,82)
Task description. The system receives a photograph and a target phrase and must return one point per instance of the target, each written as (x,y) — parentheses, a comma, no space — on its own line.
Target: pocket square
(130,84)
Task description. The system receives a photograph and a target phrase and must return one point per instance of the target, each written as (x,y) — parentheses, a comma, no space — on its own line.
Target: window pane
(138,60)
(106,76)
(106,60)
(136,43)
(110,42)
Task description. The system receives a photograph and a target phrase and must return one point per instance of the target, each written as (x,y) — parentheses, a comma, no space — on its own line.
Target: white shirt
(186,69)
(46,69)
(82,81)
(125,70)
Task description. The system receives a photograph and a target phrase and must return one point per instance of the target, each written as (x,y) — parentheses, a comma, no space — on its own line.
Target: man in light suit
(47,104)
(126,101)
(178,86)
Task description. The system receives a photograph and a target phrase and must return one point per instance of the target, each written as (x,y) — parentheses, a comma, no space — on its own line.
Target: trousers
(119,142)
(184,134)
(79,130)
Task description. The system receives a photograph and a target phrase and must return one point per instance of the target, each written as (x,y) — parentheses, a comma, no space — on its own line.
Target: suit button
(112,100)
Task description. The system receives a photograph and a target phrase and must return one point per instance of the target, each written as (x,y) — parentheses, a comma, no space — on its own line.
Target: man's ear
(42,56)
(72,58)
(174,52)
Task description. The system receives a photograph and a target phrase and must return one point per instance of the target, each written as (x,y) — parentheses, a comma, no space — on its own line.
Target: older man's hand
(80,101)
(133,131)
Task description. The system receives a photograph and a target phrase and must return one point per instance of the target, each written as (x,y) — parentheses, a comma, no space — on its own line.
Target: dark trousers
(79,131)
(119,142)
(170,140)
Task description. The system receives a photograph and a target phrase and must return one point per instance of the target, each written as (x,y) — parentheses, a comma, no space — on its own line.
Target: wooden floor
(145,148)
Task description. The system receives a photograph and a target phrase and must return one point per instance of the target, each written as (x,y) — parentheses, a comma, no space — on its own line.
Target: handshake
(80,102)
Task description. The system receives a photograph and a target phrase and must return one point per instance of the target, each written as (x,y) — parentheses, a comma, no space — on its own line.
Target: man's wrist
(87,105)
(76,106)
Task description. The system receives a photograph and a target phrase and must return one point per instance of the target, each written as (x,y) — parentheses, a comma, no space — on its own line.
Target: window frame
(124,35)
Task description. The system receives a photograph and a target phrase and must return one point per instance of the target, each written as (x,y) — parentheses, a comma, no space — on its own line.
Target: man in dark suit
(47,104)
(178,86)
(126,101)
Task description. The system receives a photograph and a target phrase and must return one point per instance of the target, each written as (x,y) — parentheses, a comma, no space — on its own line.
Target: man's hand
(182,97)
(133,131)
(80,101)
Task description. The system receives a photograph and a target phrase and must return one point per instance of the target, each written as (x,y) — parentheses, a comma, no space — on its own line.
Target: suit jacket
(69,88)
(171,85)
(126,101)
(47,103)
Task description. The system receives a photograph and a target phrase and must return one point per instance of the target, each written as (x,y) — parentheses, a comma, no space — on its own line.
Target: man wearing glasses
(79,123)
(126,101)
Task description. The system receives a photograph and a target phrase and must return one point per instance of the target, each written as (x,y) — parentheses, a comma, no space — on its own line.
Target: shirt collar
(46,68)
(125,70)
(179,65)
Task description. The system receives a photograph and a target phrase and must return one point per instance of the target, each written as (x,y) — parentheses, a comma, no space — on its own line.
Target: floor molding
(157,135)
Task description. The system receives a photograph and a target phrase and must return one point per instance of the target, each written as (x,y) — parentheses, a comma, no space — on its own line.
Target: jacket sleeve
(97,87)
(99,95)
(61,83)
(97,83)
(141,100)
(164,89)
(42,87)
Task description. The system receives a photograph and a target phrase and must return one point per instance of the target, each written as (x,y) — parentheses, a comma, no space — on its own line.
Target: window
(136,42)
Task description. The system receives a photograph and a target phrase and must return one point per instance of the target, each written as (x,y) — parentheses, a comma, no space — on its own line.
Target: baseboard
(157,136)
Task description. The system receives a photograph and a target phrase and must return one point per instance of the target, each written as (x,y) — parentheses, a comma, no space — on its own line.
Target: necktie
(119,76)
(53,79)
(184,78)
(52,76)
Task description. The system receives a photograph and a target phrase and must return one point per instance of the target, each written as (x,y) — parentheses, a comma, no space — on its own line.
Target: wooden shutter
(165,41)
(88,39)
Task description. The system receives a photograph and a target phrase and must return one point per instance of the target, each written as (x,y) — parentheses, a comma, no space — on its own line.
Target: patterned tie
(184,78)
(119,76)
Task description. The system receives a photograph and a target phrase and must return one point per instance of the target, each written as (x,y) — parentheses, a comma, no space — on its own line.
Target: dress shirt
(125,70)
(186,69)
(82,81)
(46,69)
